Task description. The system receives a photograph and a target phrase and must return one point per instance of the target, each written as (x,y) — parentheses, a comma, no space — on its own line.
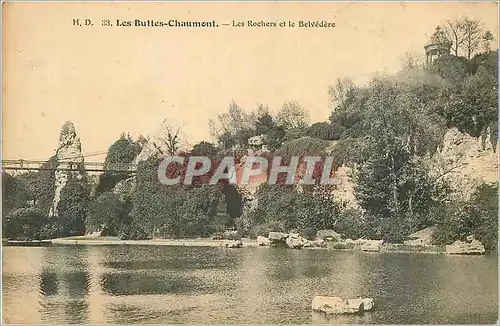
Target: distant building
(438,45)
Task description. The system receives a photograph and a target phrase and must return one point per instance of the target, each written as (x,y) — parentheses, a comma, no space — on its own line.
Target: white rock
(263,241)
(233,244)
(337,305)
(368,303)
(69,155)
(372,245)
(475,247)
(279,236)
(349,241)
(295,241)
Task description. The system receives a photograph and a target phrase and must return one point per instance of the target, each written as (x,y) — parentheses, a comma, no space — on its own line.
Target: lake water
(146,284)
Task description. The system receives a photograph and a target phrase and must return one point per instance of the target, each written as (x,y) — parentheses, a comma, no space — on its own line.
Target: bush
(325,131)
(28,224)
(339,245)
(134,232)
(477,217)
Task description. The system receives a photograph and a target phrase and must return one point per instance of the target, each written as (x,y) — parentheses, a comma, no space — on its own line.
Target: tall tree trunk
(394,181)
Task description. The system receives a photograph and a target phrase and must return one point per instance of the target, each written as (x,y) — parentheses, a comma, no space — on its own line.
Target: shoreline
(246,243)
(153,242)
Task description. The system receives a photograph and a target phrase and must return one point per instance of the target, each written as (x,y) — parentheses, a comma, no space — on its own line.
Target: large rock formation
(69,156)
(467,161)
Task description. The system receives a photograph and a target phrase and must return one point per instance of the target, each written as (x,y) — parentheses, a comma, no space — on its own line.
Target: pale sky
(109,80)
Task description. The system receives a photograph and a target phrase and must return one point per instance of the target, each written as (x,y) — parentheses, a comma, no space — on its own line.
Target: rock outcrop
(69,156)
(470,247)
(337,305)
(469,160)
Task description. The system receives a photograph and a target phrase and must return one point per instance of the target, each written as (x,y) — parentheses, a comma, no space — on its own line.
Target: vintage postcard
(250,163)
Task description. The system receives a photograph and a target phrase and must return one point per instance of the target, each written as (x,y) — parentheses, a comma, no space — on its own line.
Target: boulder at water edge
(372,245)
(233,244)
(277,236)
(337,305)
(295,241)
(263,241)
(474,247)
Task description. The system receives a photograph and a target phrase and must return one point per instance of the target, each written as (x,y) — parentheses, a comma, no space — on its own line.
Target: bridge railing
(67,166)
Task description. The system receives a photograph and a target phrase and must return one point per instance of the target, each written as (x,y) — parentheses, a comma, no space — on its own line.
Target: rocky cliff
(464,161)
(467,161)
(69,155)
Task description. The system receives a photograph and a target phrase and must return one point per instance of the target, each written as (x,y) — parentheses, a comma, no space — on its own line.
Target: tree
(204,148)
(73,206)
(397,127)
(325,130)
(124,150)
(107,214)
(341,91)
(15,193)
(229,124)
(26,224)
(41,185)
(412,61)
(169,139)
(292,115)
(478,217)
(453,69)
(473,34)
(487,38)
(454,33)
(474,108)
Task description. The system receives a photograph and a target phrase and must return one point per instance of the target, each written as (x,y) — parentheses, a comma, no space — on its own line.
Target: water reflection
(48,283)
(123,284)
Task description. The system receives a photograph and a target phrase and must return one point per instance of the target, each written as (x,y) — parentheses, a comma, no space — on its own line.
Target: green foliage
(172,211)
(474,108)
(124,150)
(41,185)
(73,206)
(452,68)
(397,128)
(265,125)
(303,146)
(134,231)
(204,148)
(106,213)
(478,217)
(15,193)
(292,115)
(325,130)
(27,224)
(352,224)
(237,126)
(281,208)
